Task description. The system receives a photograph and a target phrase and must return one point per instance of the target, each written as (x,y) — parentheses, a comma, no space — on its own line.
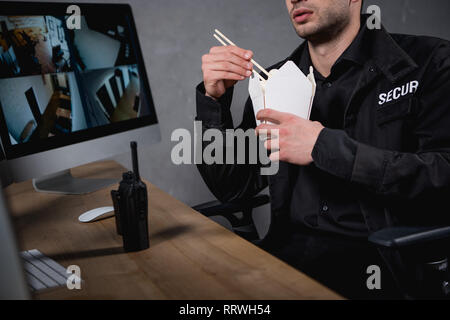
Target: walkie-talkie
(131,208)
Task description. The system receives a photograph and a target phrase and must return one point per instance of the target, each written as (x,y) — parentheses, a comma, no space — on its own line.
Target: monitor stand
(63,182)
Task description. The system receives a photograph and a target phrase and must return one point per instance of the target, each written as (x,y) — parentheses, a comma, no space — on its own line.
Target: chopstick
(224,44)
(231,43)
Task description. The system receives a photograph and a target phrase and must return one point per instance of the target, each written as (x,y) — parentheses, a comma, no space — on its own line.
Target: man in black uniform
(376,152)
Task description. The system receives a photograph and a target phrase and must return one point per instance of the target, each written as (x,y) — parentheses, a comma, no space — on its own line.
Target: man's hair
(362,5)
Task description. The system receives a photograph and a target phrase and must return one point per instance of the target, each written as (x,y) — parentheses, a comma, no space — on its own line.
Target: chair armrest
(398,237)
(215,208)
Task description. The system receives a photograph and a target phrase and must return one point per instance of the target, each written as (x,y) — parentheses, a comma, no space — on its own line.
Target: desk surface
(190,257)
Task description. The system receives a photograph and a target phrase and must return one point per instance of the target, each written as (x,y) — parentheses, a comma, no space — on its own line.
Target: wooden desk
(190,257)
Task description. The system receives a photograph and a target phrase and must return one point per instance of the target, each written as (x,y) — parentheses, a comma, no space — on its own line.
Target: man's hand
(296,136)
(224,66)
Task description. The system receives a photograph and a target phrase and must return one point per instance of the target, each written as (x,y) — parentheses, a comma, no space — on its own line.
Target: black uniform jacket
(394,145)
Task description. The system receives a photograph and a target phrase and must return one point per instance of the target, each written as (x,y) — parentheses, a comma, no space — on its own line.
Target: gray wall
(175,34)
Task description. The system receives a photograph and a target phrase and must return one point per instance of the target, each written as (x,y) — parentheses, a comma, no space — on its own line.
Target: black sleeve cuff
(338,154)
(334,152)
(370,166)
(210,111)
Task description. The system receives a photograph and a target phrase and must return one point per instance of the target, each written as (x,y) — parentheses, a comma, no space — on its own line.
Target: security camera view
(38,107)
(112,43)
(54,81)
(32,45)
(113,95)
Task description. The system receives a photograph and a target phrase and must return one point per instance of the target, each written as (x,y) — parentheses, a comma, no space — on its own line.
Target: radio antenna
(134,158)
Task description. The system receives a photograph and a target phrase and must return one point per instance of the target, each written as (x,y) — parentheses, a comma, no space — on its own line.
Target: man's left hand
(296,136)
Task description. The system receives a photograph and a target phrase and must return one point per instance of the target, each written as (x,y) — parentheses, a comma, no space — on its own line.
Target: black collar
(374,47)
(355,52)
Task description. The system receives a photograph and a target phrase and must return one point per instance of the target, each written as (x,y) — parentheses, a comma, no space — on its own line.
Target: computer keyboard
(43,272)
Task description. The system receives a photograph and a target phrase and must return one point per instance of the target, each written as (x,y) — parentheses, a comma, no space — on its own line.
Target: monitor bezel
(59,9)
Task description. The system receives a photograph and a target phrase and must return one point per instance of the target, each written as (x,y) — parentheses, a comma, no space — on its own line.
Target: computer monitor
(12,276)
(73,90)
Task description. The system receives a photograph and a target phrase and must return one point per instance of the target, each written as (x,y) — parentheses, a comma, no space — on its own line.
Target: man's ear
(361,3)
(357,2)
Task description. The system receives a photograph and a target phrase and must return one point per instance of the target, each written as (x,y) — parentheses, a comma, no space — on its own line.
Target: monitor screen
(65,79)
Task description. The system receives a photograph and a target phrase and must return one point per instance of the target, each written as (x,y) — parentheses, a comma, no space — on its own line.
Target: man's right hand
(224,66)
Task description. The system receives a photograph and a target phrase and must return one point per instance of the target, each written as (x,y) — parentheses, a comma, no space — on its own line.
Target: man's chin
(304,32)
(311,32)
(305,29)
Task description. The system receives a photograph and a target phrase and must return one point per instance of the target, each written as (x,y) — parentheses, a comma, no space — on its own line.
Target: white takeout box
(286,90)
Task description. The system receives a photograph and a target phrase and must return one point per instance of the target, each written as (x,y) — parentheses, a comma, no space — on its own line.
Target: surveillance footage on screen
(54,80)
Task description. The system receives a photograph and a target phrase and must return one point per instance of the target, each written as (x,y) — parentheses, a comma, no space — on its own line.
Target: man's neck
(325,54)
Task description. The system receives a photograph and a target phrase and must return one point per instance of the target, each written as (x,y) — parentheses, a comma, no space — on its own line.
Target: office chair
(420,257)
(237,214)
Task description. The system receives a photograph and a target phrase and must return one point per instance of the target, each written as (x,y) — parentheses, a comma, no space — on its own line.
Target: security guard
(376,152)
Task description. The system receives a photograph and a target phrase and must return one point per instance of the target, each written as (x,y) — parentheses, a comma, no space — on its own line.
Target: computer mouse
(96,214)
